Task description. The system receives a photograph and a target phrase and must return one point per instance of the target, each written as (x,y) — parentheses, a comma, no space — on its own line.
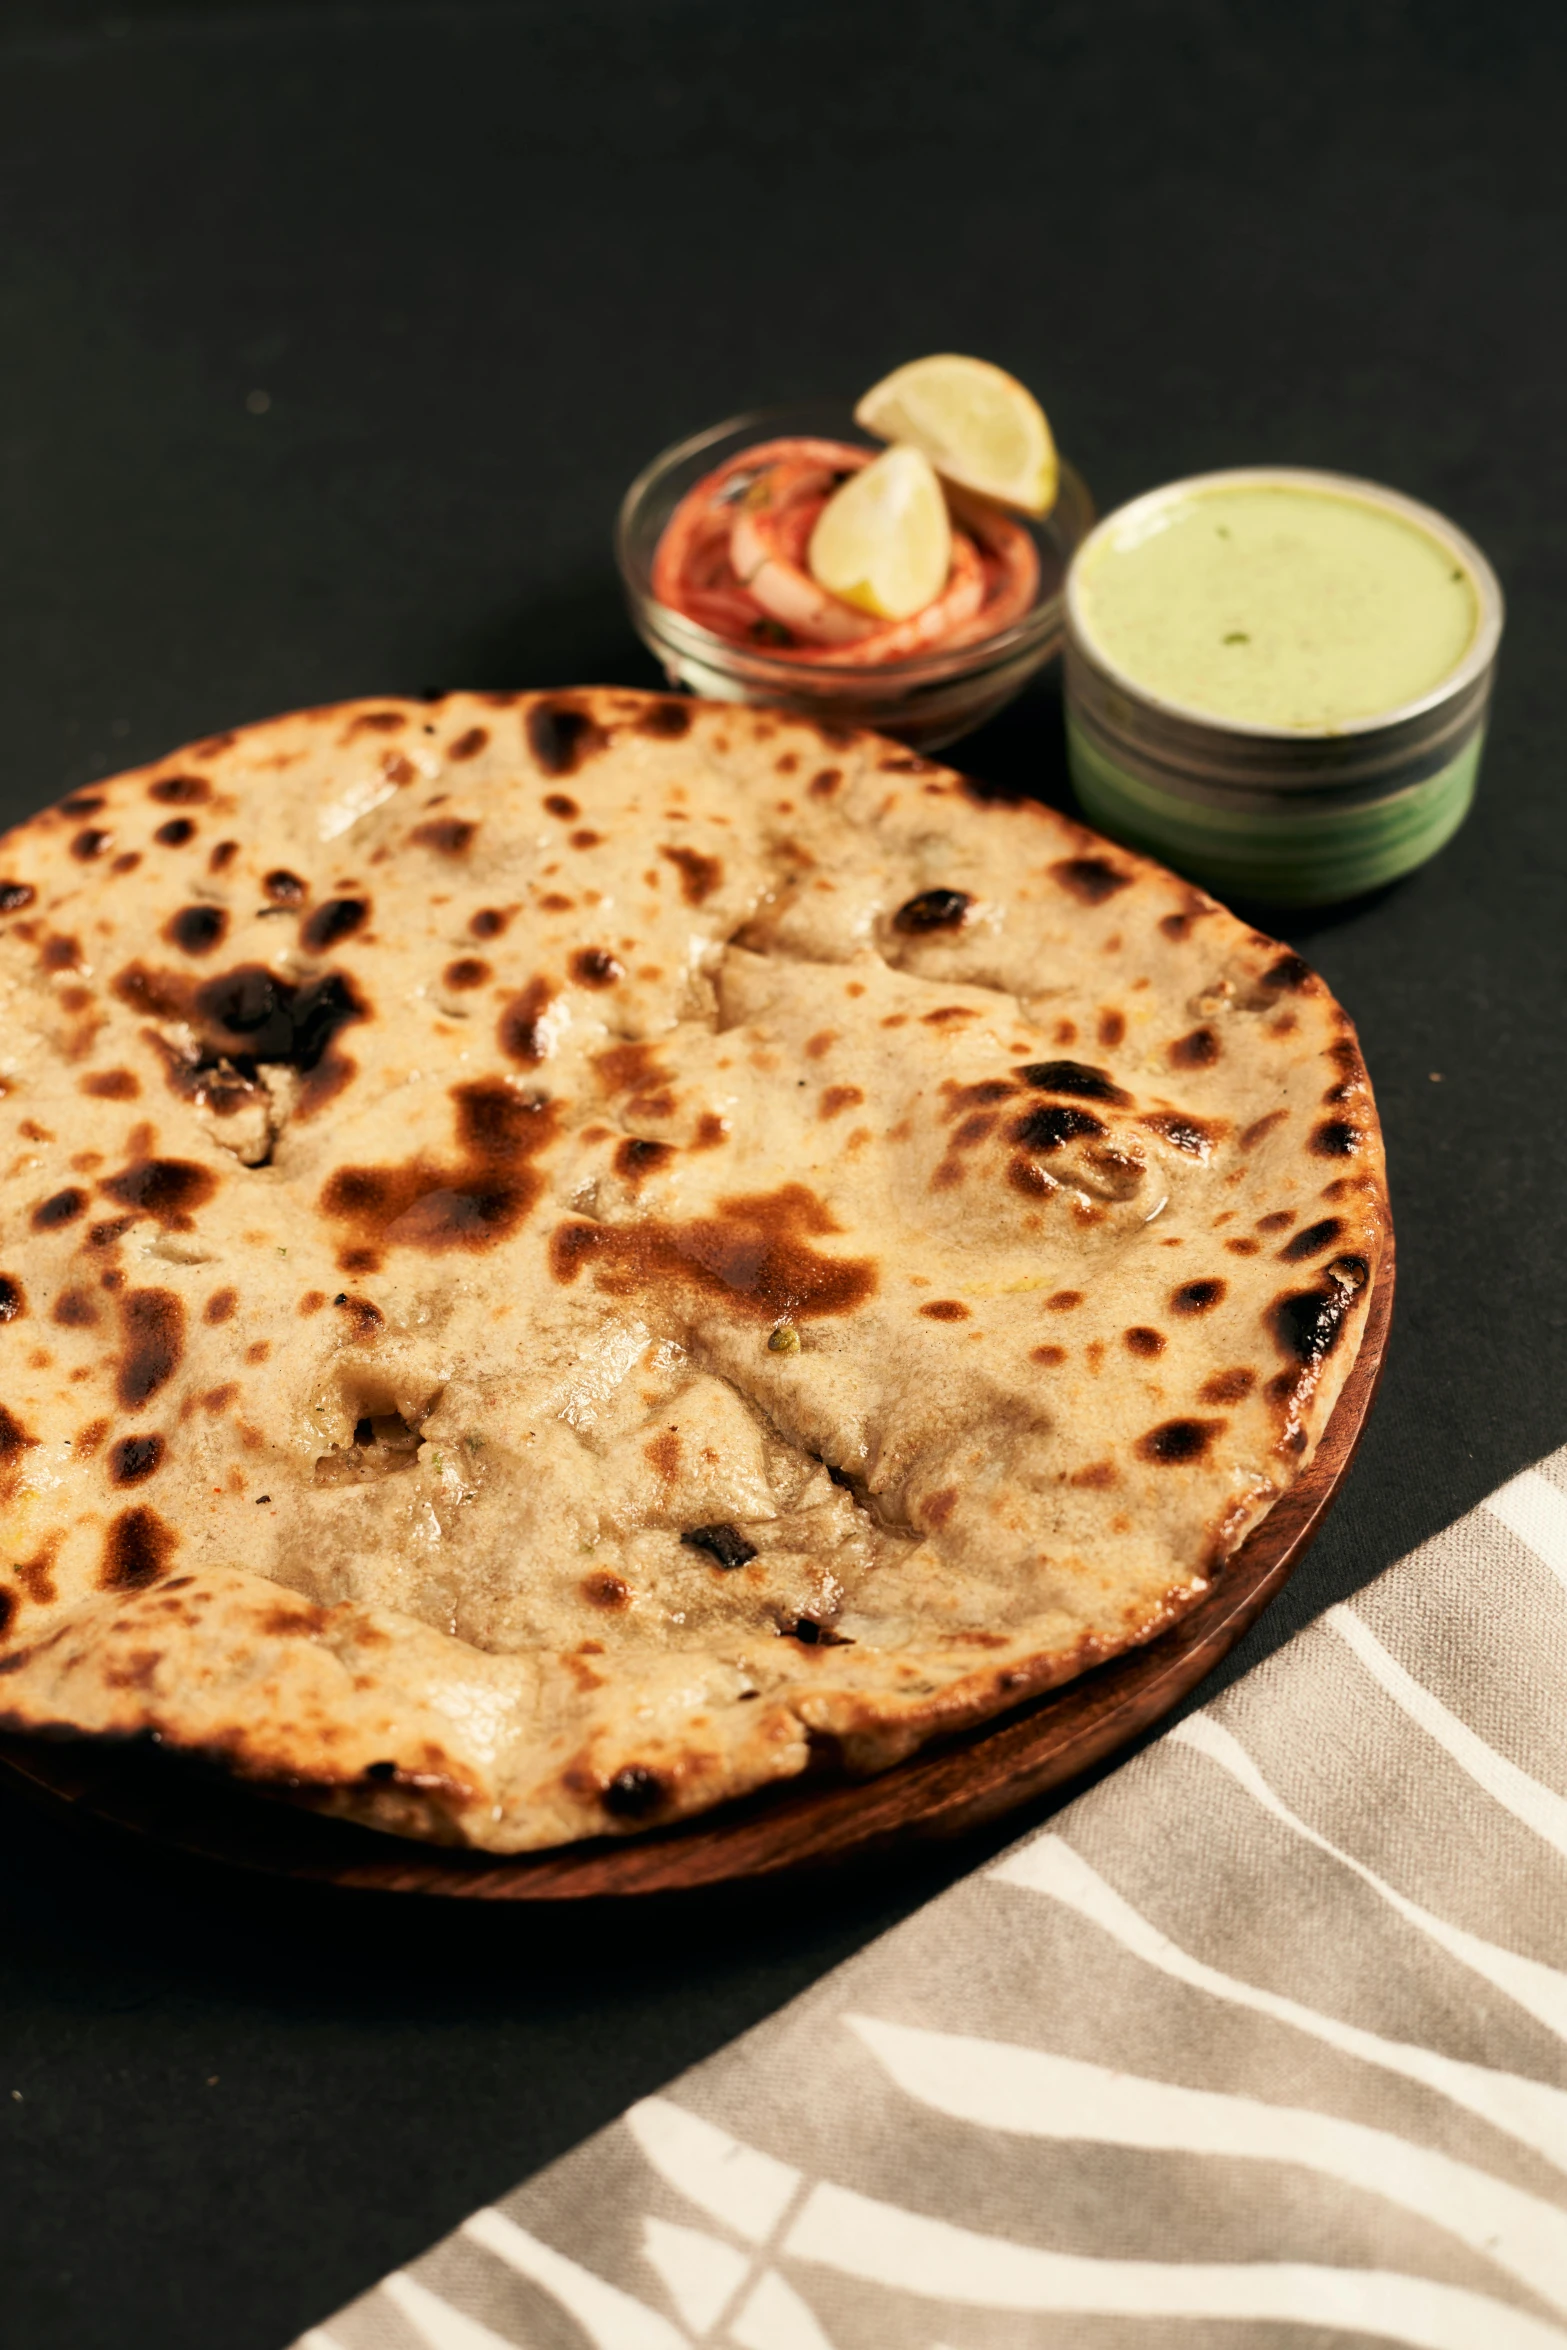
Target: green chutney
(1275,606)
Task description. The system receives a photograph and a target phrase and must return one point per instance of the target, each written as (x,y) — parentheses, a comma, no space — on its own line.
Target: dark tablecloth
(331,334)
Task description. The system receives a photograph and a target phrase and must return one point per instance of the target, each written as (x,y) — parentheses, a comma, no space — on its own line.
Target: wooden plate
(948,1788)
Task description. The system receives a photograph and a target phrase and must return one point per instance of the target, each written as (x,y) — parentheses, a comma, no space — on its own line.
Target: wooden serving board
(956,1785)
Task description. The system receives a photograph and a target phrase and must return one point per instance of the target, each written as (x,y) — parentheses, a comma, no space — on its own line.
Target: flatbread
(568,1257)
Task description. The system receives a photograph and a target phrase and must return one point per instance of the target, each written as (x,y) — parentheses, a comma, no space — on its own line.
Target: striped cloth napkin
(1262,2042)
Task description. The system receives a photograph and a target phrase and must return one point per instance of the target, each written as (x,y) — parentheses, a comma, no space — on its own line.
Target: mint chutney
(1277,680)
(1275,605)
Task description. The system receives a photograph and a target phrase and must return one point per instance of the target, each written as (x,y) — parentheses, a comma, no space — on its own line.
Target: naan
(567,1257)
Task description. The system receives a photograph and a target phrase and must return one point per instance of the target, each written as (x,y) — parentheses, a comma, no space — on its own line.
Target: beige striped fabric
(1263,2042)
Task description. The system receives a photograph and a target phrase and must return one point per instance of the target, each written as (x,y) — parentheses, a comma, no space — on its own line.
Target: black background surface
(484,260)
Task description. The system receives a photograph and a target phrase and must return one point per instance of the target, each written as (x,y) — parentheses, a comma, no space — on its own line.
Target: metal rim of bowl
(1473,666)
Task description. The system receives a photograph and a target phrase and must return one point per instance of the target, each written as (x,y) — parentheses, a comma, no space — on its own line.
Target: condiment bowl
(925,701)
(1297,815)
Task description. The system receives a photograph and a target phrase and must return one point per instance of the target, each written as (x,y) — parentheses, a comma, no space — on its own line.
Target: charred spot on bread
(1289,972)
(137,1550)
(449,836)
(332,921)
(562,736)
(1047,1129)
(1308,1323)
(1197,1050)
(725,1545)
(152,1328)
(196,930)
(637,1157)
(699,875)
(465,972)
(933,910)
(756,1252)
(812,1633)
(596,967)
(169,1189)
(1176,1443)
(1076,1078)
(522,1033)
(634,1793)
(666,718)
(432,1205)
(1091,880)
(135,1458)
(1312,1241)
(61,1207)
(15,1440)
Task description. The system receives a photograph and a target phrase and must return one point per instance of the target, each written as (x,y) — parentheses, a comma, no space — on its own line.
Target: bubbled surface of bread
(564,1257)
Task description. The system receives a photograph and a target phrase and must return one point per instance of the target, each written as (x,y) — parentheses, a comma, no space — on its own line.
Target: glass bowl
(925,701)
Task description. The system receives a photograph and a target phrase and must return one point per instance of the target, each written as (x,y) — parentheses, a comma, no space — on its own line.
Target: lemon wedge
(976,424)
(883,541)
